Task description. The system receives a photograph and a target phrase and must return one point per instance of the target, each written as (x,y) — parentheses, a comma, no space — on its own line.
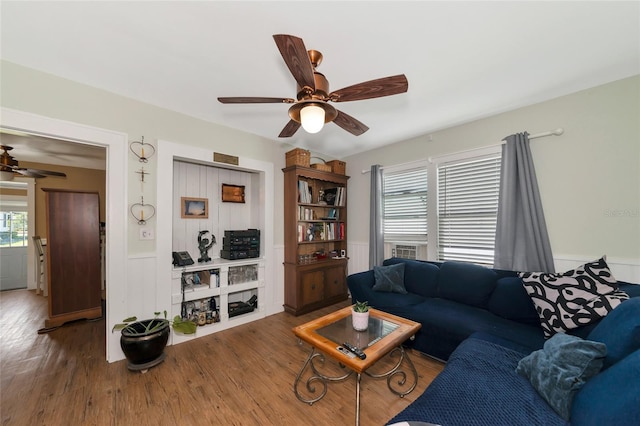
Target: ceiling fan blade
(380,87)
(255,100)
(46,172)
(29,173)
(350,124)
(289,130)
(297,59)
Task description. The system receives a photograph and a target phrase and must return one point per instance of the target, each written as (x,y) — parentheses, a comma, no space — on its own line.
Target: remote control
(355,350)
(346,352)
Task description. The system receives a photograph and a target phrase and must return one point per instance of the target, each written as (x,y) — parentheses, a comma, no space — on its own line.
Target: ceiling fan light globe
(6,176)
(312,118)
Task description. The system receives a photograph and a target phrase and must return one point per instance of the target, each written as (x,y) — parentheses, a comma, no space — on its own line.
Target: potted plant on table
(360,316)
(143,341)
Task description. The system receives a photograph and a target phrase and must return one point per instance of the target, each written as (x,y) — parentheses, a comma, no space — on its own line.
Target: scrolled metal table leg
(316,377)
(358,377)
(396,372)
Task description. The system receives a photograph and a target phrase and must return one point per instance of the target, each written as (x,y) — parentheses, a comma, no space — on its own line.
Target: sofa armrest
(360,286)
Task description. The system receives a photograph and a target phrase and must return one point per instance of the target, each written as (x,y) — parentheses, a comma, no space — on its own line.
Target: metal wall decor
(142,150)
(142,212)
(232,193)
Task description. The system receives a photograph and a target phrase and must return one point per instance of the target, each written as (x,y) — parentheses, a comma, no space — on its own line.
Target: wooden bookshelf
(315,238)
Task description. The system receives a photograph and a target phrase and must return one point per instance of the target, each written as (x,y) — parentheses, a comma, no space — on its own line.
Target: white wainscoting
(358,254)
(277,303)
(141,270)
(622,269)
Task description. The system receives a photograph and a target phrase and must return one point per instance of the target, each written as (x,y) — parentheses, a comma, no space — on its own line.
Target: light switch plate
(146,234)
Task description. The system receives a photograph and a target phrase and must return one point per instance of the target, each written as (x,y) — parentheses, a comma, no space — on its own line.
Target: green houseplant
(143,341)
(360,316)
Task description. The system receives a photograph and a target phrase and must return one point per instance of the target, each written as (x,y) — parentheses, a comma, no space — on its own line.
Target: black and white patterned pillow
(573,298)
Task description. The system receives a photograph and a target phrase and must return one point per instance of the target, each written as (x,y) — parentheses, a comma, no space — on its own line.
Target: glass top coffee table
(327,336)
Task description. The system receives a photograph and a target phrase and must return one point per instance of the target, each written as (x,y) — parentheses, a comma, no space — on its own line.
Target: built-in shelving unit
(231,283)
(219,293)
(315,235)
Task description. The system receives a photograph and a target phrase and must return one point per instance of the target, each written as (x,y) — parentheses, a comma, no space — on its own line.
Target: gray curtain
(522,241)
(376,234)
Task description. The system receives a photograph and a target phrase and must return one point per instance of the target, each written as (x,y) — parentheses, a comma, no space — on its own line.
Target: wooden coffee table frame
(390,345)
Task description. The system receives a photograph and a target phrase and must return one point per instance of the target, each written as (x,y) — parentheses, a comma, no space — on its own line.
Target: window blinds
(405,204)
(467,209)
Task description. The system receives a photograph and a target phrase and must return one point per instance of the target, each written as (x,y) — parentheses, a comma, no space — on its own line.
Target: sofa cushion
(612,397)
(574,298)
(419,277)
(620,331)
(389,278)
(446,323)
(466,283)
(561,368)
(479,386)
(511,301)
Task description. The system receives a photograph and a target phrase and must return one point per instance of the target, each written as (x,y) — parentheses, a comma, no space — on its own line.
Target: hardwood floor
(240,376)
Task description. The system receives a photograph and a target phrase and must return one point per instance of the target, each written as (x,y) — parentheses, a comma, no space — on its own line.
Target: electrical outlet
(146,234)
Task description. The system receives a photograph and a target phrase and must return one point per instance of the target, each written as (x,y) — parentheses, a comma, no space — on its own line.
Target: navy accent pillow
(466,283)
(612,397)
(620,331)
(561,368)
(389,278)
(419,277)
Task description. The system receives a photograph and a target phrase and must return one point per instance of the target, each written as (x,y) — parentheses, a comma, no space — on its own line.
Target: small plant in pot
(143,341)
(360,316)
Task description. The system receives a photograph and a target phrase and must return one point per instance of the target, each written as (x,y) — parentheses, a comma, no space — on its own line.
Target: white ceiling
(463,60)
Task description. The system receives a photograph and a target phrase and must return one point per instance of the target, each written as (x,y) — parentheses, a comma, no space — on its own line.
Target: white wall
(589,177)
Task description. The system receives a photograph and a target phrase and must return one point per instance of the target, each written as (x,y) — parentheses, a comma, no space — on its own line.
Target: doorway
(14,235)
(115,201)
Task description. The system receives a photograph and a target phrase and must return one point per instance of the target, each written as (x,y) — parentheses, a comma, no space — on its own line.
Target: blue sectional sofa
(484,324)
(453,300)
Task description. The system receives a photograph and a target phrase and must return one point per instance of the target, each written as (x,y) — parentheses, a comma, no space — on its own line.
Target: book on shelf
(320,231)
(304,192)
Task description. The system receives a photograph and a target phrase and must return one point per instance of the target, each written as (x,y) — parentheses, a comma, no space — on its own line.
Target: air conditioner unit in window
(406,250)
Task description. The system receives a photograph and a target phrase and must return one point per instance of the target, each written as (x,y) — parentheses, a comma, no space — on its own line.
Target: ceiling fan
(312,110)
(9,167)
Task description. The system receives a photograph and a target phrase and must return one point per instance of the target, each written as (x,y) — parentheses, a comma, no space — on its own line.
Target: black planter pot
(144,349)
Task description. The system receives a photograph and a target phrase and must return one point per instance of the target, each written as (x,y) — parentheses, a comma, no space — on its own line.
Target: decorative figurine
(204,246)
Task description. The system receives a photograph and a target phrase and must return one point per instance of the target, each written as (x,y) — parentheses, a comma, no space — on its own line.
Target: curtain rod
(556,132)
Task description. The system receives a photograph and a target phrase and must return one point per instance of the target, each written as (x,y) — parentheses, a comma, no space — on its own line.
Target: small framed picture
(232,193)
(194,208)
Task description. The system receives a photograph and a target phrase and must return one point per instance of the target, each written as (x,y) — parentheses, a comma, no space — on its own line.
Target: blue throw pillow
(620,331)
(389,278)
(420,277)
(612,397)
(561,368)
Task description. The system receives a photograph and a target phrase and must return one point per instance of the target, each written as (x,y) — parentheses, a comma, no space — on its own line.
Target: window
(405,205)
(467,209)
(13,229)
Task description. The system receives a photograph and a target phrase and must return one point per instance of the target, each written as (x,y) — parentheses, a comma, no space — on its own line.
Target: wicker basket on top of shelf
(298,157)
(338,167)
(321,166)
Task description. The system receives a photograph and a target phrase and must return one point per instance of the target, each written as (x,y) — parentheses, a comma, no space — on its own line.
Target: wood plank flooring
(240,376)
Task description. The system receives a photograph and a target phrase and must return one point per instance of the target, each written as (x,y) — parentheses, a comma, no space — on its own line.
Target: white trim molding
(116,144)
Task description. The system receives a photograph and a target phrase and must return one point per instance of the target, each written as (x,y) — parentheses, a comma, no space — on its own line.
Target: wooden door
(73,251)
